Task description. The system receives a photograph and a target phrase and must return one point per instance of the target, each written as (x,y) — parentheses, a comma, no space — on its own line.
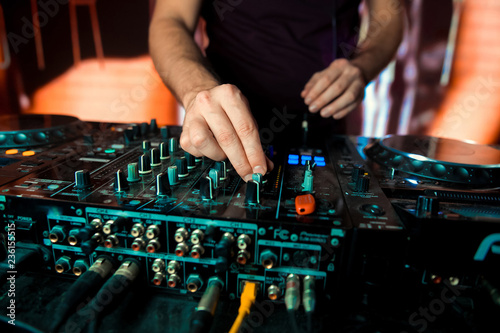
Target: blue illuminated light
(293,157)
(319,159)
(320,164)
(305,157)
(293,162)
(412,181)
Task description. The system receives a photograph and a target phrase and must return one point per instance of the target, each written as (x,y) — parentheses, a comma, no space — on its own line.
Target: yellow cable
(247,300)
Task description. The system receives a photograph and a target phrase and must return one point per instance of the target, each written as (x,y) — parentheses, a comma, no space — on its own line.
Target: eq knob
(144,165)
(164,133)
(206,188)
(173,145)
(136,130)
(82,179)
(144,129)
(133,173)
(173,177)
(153,126)
(121,183)
(191,164)
(146,146)
(182,168)
(162,184)
(258,178)
(362,184)
(252,196)
(214,175)
(164,154)
(154,154)
(222,168)
(357,171)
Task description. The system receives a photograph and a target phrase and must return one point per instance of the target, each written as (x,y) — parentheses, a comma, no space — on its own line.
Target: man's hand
(335,91)
(219,124)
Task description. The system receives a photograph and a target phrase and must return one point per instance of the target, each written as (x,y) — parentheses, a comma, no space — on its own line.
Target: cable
(292,299)
(112,292)
(86,285)
(20,326)
(309,299)
(204,314)
(247,300)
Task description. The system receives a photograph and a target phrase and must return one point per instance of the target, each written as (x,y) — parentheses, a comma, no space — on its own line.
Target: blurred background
(89,59)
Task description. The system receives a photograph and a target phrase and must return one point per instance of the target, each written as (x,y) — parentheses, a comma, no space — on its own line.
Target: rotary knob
(153,126)
(164,132)
(191,164)
(154,154)
(307,185)
(173,145)
(144,129)
(427,205)
(121,183)
(164,154)
(144,165)
(133,173)
(221,167)
(182,169)
(362,184)
(82,179)
(146,146)
(252,196)
(357,171)
(214,174)
(173,177)
(162,184)
(206,188)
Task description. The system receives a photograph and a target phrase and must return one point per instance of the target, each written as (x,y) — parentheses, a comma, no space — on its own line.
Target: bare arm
(218,122)
(339,89)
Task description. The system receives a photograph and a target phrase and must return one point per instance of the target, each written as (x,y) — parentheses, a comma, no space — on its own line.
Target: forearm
(178,60)
(385,32)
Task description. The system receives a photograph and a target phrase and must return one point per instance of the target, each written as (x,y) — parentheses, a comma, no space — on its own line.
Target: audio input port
(80,267)
(63,264)
(138,244)
(158,265)
(173,280)
(153,246)
(181,235)
(197,236)
(268,259)
(137,230)
(273,292)
(57,234)
(194,283)
(152,231)
(172,267)
(181,249)
(111,241)
(158,278)
(243,241)
(72,239)
(243,257)
(197,251)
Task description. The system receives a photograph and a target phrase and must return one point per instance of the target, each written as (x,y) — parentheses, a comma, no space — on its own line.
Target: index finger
(245,126)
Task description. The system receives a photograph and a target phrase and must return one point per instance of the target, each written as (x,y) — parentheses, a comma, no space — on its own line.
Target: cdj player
(351,222)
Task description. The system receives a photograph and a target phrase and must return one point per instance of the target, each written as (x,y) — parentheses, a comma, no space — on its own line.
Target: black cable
(22,327)
(111,293)
(202,318)
(293,321)
(86,285)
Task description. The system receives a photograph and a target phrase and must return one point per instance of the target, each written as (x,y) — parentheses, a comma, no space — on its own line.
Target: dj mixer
(349,213)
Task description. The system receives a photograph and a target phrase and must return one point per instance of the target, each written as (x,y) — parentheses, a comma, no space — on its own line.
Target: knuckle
(246,130)
(203,97)
(199,141)
(350,97)
(226,138)
(184,141)
(230,89)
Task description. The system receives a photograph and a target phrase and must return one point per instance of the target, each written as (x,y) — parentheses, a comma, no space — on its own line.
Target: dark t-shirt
(271,48)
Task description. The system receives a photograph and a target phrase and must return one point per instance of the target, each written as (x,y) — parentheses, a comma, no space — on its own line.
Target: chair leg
(97,34)
(74,33)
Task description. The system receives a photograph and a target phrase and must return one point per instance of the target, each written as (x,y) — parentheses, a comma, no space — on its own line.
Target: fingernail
(259,169)
(307,101)
(313,108)
(247,177)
